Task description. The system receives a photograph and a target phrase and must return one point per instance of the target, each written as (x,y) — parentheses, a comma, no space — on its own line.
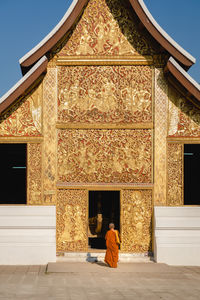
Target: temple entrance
(104,208)
(191,174)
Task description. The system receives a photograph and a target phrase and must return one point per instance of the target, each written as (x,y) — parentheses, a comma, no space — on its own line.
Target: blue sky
(23,23)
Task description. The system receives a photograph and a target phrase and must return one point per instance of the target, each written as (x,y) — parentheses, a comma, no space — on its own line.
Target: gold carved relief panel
(105,156)
(175,174)
(72,220)
(34,176)
(136,221)
(184,117)
(107,27)
(105,94)
(24,118)
(160,160)
(50,140)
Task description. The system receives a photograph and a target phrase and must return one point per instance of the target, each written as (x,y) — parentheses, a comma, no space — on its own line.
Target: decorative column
(50,143)
(160,150)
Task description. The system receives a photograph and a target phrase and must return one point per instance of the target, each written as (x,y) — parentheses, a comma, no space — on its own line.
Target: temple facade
(105,111)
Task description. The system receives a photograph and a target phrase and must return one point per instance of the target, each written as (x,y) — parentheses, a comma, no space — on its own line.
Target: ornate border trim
(104,126)
(104,60)
(183,140)
(21,139)
(103,186)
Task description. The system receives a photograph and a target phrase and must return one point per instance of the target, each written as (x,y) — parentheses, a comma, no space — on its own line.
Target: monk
(112,244)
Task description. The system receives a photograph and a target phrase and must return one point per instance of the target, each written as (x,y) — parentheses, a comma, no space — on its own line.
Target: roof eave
(23,84)
(142,12)
(55,35)
(171,46)
(183,79)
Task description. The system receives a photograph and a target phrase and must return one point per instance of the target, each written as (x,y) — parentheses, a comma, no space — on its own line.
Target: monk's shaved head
(111,225)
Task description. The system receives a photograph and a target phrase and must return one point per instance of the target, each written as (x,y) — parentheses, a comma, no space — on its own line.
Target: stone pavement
(95,281)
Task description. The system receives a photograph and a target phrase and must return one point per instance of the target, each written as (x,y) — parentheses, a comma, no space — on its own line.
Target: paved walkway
(81,281)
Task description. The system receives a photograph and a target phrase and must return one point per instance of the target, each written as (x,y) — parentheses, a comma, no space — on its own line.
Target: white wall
(177,235)
(27,235)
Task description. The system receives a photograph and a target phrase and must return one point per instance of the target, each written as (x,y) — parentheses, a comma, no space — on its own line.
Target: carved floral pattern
(175,174)
(34,154)
(72,222)
(136,214)
(161,100)
(105,94)
(107,27)
(184,117)
(24,118)
(108,156)
(50,142)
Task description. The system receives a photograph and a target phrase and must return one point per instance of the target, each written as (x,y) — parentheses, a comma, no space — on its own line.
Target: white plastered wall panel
(177,235)
(27,235)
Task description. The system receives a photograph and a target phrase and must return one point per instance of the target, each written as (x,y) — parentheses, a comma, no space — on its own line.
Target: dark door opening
(104,208)
(191,174)
(13,173)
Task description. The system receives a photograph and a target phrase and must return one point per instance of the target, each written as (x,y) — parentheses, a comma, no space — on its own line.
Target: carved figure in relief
(107,95)
(73,95)
(93,102)
(100,32)
(35,108)
(67,216)
(184,117)
(173,118)
(84,47)
(79,234)
(117,165)
(136,98)
(142,98)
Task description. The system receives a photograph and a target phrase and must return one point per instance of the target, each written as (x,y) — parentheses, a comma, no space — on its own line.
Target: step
(99,257)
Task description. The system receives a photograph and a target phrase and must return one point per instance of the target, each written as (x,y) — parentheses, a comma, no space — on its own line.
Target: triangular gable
(24,118)
(107,27)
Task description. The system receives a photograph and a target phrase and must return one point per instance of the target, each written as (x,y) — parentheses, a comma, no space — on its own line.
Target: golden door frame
(140,230)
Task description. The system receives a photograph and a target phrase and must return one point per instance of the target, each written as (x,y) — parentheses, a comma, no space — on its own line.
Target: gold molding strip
(105,186)
(182,140)
(21,139)
(104,126)
(104,60)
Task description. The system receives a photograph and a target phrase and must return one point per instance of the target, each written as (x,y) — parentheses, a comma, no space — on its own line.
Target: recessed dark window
(13,173)
(191,174)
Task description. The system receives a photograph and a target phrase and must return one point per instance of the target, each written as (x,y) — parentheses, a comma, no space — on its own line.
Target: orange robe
(112,251)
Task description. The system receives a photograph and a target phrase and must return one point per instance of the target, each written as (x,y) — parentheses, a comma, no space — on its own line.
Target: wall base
(27,235)
(177,235)
(99,257)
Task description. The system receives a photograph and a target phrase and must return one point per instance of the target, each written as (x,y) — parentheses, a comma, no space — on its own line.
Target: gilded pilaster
(175,174)
(160,160)
(34,174)
(50,142)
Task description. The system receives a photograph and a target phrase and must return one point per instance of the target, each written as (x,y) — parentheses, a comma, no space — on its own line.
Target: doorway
(104,208)
(191,174)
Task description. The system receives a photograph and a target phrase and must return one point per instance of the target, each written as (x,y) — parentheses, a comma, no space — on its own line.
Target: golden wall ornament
(103,60)
(34,174)
(105,156)
(72,220)
(160,160)
(184,117)
(50,141)
(24,118)
(105,94)
(136,218)
(107,27)
(175,174)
